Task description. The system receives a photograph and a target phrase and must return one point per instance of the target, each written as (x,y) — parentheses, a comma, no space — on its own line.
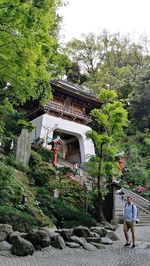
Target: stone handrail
(139,200)
(143,209)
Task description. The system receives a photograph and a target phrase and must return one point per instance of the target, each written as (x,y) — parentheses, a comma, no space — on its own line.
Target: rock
(98,245)
(94,234)
(65,233)
(109,226)
(94,239)
(53,235)
(73,245)
(4,245)
(13,236)
(22,247)
(81,231)
(80,240)
(58,242)
(50,230)
(5,230)
(99,230)
(112,235)
(39,238)
(89,247)
(106,241)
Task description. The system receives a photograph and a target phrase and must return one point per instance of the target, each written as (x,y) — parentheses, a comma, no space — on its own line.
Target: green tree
(28,48)
(111,118)
(140,101)
(108,61)
(29,56)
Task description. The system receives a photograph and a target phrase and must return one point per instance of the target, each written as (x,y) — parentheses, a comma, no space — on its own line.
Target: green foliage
(44,197)
(11,189)
(11,160)
(43,174)
(111,118)
(35,159)
(27,47)
(108,61)
(139,100)
(135,167)
(20,221)
(61,171)
(71,215)
(106,96)
(25,124)
(46,155)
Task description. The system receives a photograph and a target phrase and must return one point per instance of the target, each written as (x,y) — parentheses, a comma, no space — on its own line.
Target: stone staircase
(142,204)
(81,177)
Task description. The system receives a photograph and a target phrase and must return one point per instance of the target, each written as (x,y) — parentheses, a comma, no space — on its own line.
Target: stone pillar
(23,147)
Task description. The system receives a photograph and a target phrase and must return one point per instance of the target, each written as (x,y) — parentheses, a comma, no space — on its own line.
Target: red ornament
(121,165)
(56,146)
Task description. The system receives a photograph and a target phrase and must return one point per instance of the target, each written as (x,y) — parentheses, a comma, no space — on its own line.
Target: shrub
(20,221)
(43,173)
(11,160)
(71,215)
(47,155)
(35,159)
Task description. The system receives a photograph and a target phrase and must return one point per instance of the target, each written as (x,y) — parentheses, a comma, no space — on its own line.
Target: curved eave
(76,93)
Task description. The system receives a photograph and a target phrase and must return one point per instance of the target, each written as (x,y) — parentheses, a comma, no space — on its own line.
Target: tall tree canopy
(109,61)
(28,48)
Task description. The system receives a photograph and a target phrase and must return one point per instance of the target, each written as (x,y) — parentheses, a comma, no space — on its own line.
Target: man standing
(130,216)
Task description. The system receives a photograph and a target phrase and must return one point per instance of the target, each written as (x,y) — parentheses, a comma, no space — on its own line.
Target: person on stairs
(130,216)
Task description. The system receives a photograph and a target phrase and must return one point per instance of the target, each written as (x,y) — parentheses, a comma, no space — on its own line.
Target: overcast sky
(124,16)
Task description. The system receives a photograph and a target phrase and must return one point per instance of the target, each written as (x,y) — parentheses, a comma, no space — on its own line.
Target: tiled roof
(74,88)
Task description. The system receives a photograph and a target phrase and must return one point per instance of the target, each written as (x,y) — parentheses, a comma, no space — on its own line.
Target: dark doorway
(70,148)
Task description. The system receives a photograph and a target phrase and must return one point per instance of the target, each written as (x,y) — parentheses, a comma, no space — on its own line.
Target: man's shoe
(127,245)
(133,245)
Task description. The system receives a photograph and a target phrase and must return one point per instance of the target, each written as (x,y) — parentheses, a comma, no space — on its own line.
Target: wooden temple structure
(66,115)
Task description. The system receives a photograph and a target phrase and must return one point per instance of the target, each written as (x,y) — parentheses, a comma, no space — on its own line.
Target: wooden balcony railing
(51,106)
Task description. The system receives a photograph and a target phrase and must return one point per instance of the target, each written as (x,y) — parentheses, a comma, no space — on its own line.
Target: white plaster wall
(36,132)
(49,123)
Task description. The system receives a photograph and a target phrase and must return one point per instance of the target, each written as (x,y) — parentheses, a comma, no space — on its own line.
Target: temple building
(66,116)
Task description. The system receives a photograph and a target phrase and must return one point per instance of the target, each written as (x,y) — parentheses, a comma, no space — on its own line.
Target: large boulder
(89,247)
(106,241)
(72,245)
(81,231)
(12,237)
(80,240)
(58,242)
(101,231)
(108,226)
(4,245)
(5,230)
(112,235)
(65,233)
(94,239)
(39,238)
(22,247)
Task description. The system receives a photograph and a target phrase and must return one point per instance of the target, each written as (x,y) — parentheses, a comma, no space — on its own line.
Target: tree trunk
(99,188)
(100,208)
